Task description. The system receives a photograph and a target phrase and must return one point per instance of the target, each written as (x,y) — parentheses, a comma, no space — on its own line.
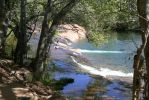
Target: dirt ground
(14,85)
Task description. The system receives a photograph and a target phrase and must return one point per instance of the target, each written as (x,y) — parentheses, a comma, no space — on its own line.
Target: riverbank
(16,84)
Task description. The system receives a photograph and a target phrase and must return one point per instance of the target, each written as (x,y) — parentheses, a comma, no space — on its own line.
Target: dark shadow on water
(61,83)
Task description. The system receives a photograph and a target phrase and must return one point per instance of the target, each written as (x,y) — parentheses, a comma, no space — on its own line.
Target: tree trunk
(40,55)
(141,71)
(47,35)
(21,48)
(146,50)
(3,28)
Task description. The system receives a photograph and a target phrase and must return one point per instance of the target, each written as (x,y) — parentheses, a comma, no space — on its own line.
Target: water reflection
(78,88)
(116,54)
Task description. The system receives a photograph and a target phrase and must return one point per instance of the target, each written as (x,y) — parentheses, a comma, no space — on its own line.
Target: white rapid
(101,51)
(102,71)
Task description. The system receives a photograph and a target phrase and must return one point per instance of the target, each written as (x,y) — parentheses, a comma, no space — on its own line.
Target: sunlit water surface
(115,54)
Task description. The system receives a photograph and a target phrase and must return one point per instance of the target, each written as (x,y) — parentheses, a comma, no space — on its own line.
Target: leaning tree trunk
(40,55)
(46,37)
(141,60)
(21,47)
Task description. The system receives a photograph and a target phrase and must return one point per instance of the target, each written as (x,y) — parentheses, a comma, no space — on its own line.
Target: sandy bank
(67,34)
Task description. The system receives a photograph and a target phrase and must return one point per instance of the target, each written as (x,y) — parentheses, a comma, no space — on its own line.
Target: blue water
(81,81)
(116,54)
(67,67)
(124,43)
(119,92)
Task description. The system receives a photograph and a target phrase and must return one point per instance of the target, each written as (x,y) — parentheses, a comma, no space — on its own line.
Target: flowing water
(115,57)
(116,54)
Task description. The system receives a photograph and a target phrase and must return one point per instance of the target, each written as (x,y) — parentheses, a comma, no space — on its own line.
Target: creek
(112,58)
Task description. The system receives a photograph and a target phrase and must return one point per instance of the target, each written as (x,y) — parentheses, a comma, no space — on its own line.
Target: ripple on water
(84,86)
(118,91)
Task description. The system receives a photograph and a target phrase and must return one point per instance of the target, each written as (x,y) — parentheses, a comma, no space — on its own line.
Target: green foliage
(11,40)
(98,38)
(100,16)
(103,14)
(46,78)
(10,44)
(35,8)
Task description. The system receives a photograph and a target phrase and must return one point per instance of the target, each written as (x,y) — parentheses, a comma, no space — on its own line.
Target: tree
(3,25)
(21,47)
(6,13)
(23,28)
(100,15)
(47,34)
(141,59)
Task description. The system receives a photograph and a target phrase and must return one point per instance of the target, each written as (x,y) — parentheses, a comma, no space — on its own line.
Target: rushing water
(116,54)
